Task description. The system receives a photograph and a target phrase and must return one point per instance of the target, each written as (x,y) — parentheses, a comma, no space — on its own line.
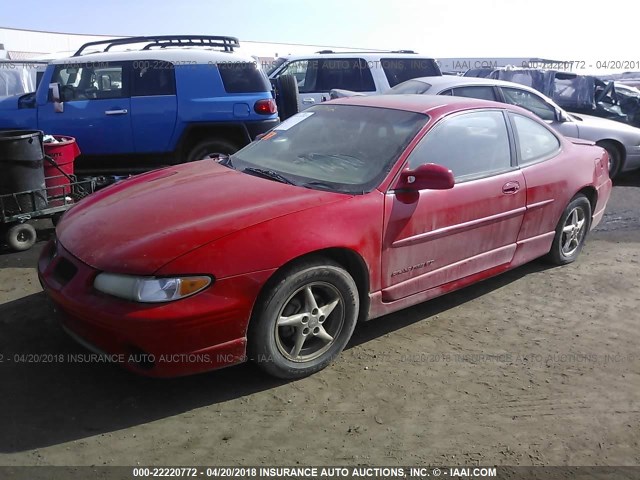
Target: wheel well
(228,133)
(347,259)
(592,196)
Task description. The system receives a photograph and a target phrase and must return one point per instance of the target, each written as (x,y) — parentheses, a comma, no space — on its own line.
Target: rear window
(398,70)
(410,86)
(243,77)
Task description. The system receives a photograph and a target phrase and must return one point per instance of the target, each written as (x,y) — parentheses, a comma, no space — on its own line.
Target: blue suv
(171,99)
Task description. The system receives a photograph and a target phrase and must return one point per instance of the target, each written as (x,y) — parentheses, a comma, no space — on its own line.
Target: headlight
(150,289)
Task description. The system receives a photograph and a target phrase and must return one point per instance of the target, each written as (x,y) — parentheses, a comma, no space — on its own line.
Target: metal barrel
(21,170)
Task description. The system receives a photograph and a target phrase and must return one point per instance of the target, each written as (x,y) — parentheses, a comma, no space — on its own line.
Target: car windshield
(343,148)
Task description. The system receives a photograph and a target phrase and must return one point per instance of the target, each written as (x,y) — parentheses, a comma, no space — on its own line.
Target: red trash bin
(63,154)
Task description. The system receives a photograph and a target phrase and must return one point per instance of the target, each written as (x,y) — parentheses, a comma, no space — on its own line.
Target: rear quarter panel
(557,181)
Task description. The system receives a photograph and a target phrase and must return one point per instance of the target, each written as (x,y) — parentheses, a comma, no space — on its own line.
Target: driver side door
(440,236)
(97,107)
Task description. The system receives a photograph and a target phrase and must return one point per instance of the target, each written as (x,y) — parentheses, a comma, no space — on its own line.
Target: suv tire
(287,96)
(208,148)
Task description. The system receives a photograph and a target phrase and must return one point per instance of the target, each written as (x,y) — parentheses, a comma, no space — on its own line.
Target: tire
(21,237)
(207,148)
(571,232)
(320,302)
(615,157)
(287,96)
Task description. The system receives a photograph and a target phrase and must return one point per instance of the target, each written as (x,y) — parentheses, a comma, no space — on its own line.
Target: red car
(348,211)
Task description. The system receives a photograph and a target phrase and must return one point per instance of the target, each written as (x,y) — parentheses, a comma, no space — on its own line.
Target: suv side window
(346,73)
(535,143)
(299,70)
(529,101)
(471,145)
(153,78)
(481,92)
(91,81)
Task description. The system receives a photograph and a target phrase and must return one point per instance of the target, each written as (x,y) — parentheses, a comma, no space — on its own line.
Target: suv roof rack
(402,51)
(354,51)
(162,41)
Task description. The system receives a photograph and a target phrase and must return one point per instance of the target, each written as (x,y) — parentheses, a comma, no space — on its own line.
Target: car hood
(141,224)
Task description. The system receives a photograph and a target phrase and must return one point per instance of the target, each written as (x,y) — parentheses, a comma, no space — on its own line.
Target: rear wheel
(571,231)
(304,320)
(615,157)
(210,148)
(21,237)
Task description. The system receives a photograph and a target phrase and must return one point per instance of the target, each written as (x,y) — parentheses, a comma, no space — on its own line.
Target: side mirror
(54,96)
(428,176)
(561,116)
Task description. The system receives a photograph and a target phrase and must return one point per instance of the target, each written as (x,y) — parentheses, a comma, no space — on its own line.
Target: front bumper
(199,333)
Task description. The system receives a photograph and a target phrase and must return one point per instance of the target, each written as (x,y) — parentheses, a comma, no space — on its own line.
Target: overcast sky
(559,29)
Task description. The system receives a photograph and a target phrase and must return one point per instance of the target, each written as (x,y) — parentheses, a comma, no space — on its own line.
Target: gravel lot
(539,366)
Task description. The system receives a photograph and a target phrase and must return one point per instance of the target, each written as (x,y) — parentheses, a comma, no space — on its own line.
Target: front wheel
(304,320)
(615,157)
(571,231)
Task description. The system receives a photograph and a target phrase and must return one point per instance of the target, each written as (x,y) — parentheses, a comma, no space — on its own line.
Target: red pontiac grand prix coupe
(348,211)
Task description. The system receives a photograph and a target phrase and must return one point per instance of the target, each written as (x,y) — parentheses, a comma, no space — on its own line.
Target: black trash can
(21,169)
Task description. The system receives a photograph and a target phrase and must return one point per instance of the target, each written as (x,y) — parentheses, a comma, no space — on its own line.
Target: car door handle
(124,111)
(510,188)
(308,100)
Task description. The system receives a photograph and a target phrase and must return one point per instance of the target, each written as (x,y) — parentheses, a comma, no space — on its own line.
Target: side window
(91,81)
(299,70)
(535,142)
(346,73)
(471,144)
(152,78)
(529,101)
(481,92)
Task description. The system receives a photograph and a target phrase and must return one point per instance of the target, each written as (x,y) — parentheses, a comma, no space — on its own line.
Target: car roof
(169,54)
(427,104)
(449,81)
(363,55)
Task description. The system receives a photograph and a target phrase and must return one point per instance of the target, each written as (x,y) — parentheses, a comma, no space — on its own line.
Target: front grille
(64,271)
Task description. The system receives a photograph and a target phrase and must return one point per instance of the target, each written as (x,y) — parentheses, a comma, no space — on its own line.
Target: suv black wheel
(287,96)
(304,320)
(210,148)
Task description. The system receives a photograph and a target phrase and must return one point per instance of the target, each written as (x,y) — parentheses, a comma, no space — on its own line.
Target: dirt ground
(540,366)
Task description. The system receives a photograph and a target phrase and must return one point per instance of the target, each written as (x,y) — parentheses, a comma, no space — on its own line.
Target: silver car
(621,141)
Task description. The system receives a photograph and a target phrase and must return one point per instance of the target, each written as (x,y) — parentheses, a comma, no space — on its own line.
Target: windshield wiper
(270,174)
